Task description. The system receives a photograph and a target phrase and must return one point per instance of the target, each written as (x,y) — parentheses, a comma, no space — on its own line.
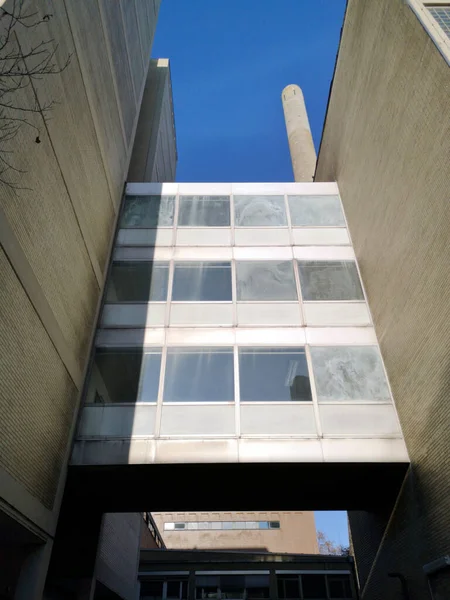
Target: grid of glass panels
(256,281)
(210,375)
(263,210)
(442,16)
(220,525)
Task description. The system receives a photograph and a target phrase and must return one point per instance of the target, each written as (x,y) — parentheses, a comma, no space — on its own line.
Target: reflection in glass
(148,211)
(202,282)
(329,280)
(316,211)
(273,375)
(265,280)
(138,281)
(199,375)
(204,211)
(124,375)
(339,586)
(259,211)
(349,373)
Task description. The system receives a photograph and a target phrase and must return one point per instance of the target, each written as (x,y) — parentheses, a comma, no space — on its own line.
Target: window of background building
(221,525)
(199,375)
(121,375)
(204,211)
(138,281)
(259,211)
(273,375)
(148,211)
(265,281)
(202,282)
(316,211)
(441,14)
(329,280)
(349,373)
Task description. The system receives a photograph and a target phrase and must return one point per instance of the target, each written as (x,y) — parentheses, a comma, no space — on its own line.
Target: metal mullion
(313,391)
(299,289)
(232,219)
(169,292)
(237,403)
(288,218)
(162,374)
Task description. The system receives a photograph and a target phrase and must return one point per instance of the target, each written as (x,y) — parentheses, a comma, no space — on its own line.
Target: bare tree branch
(18,69)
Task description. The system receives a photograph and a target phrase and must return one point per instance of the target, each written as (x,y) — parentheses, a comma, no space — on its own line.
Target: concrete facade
(154,156)
(387,142)
(301,145)
(296,533)
(55,236)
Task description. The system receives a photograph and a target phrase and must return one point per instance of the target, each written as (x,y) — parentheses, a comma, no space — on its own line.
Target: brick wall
(387,143)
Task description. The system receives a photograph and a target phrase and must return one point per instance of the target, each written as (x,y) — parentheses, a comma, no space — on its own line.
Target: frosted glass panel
(138,281)
(199,375)
(204,211)
(259,211)
(329,280)
(148,211)
(319,211)
(273,375)
(202,282)
(265,280)
(349,373)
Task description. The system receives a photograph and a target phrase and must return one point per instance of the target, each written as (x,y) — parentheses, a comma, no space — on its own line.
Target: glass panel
(316,211)
(257,586)
(263,525)
(314,586)
(148,211)
(349,373)
(151,590)
(227,525)
(204,211)
(138,281)
(288,587)
(199,375)
(274,524)
(232,586)
(268,280)
(259,211)
(339,586)
(202,281)
(273,375)
(118,375)
(207,586)
(329,280)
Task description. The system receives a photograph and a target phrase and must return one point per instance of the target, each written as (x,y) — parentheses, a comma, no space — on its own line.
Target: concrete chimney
(301,147)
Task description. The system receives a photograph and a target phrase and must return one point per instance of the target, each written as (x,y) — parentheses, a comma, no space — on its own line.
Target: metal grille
(442,16)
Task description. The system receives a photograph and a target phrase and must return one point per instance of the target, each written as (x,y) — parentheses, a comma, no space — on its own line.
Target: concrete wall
(297,533)
(386,141)
(56,229)
(118,554)
(154,155)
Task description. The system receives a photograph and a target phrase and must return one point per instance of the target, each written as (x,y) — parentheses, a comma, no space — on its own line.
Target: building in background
(290,532)
(386,141)
(57,219)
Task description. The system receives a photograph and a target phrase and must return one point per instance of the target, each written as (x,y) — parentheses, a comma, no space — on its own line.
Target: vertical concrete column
(301,147)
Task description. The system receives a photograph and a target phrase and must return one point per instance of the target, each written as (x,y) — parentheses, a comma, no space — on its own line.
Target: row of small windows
(140,281)
(252,587)
(220,525)
(215,211)
(203,375)
(442,16)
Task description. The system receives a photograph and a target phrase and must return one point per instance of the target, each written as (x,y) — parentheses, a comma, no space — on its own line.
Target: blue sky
(230,60)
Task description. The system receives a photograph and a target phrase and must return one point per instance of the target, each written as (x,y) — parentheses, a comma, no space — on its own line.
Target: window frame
(431,26)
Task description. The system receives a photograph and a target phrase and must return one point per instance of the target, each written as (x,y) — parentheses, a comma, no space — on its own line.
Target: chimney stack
(301,147)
